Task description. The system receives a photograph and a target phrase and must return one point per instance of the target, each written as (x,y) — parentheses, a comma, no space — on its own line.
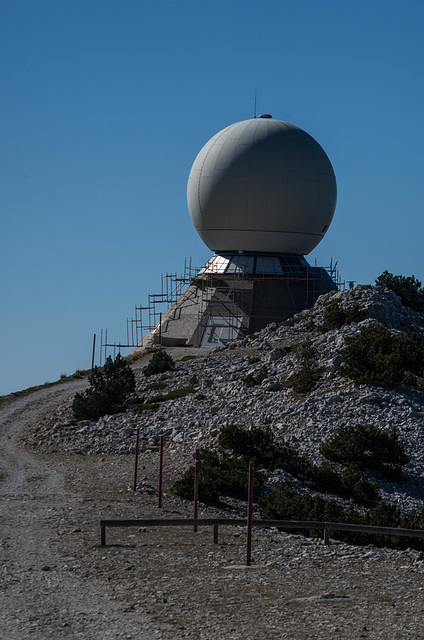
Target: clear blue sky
(105,105)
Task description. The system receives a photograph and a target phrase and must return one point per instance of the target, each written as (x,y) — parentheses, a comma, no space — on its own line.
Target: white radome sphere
(262,185)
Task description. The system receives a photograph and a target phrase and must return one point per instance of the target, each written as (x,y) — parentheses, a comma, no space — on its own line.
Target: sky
(105,105)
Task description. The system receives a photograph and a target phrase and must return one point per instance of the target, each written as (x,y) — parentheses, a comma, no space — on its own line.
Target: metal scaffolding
(227,295)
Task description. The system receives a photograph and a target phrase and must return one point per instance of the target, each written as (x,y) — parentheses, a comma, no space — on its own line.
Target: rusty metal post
(249,513)
(215,534)
(160,471)
(196,486)
(136,459)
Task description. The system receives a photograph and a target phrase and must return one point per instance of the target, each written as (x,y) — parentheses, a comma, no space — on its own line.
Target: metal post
(249,513)
(94,351)
(160,329)
(136,459)
(196,486)
(215,534)
(160,472)
(326,534)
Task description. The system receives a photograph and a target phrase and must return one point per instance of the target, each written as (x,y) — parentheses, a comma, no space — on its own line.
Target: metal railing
(326,527)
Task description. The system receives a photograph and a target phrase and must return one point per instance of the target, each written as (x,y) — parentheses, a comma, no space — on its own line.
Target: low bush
(367,447)
(305,379)
(408,288)
(335,316)
(349,483)
(379,357)
(225,471)
(219,475)
(258,444)
(159,363)
(110,389)
(295,506)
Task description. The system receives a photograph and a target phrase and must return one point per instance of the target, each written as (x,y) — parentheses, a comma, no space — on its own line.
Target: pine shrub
(304,506)
(110,389)
(379,357)
(219,475)
(258,444)
(408,288)
(305,379)
(160,362)
(367,447)
(336,316)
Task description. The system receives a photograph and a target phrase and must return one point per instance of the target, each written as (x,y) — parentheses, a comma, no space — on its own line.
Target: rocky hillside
(249,383)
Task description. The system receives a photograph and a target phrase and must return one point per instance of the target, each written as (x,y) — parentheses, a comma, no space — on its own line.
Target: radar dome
(262,185)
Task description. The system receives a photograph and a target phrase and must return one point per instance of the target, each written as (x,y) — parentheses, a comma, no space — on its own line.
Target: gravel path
(41,596)
(167,583)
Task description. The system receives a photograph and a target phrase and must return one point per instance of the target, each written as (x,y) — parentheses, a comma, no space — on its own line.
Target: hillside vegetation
(330,405)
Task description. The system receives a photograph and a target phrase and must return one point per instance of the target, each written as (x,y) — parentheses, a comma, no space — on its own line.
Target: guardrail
(326,527)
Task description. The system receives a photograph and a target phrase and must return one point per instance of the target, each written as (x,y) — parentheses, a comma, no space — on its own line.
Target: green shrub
(304,380)
(379,357)
(219,474)
(258,444)
(159,363)
(335,316)
(349,483)
(110,389)
(307,351)
(324,477)
(368,448)
(407,288)
(294,506)
(250,380)
(356,485)
(411,347)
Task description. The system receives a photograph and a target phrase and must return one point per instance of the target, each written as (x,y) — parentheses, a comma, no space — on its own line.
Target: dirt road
(40,595)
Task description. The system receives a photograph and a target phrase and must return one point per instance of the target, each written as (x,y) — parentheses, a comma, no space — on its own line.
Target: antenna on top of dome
(254,113)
